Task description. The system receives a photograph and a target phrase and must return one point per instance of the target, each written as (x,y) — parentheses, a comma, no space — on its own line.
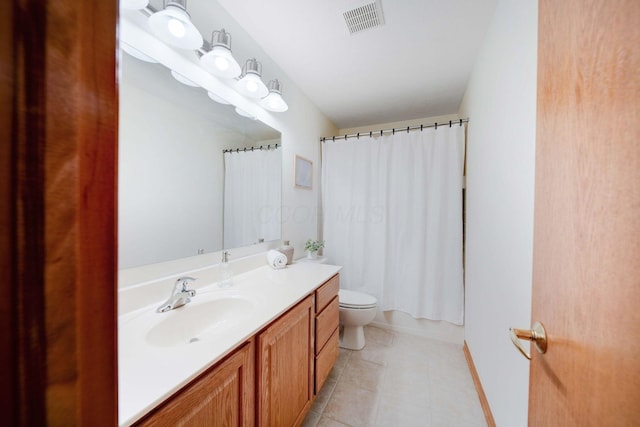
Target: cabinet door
(285,367)
(225,396)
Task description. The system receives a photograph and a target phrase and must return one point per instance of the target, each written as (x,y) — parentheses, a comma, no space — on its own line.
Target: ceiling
(415,65)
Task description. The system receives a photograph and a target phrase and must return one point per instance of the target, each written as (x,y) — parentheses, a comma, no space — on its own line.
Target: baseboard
(476,381)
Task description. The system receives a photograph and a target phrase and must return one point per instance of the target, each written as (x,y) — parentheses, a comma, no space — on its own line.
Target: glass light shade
(273,101)
(218,99)
(173,26)
(136,53)
(252,86)
(220,62)
(134,4)
(182,79)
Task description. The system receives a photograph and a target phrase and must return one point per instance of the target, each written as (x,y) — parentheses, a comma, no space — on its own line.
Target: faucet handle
(183,282)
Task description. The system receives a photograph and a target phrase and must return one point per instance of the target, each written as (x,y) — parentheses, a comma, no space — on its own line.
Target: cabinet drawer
(327,323)
(326,292)
(326,359)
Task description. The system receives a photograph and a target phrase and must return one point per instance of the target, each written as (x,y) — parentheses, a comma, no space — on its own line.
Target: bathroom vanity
(261,362)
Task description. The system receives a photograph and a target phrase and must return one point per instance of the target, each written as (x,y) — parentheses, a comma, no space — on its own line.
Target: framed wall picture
(303,173)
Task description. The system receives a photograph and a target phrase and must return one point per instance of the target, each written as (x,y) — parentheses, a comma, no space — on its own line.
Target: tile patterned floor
(398,380)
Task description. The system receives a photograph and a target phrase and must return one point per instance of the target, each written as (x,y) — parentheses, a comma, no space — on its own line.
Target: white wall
(501,103)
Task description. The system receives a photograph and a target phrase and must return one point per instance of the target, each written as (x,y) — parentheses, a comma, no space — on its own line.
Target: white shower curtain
(252,196)
(393,218)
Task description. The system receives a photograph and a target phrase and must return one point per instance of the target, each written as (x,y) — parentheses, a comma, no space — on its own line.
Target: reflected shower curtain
(252,196)
(392,208)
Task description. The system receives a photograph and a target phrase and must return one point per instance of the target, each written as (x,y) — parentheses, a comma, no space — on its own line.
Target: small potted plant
(312,247)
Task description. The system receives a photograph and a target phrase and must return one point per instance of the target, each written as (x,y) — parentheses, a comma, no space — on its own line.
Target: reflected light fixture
(182,79)
(133,4)
(250,84)
(173,25)
(217,98)
(273,101)
(136,53)
(245,114)
(219,60)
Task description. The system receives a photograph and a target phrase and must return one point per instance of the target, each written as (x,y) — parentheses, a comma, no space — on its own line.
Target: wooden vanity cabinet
(326,330)
(271,383)
(223,396)
(285,381)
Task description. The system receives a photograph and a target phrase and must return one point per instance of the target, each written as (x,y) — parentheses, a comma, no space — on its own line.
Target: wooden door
(285,367)
(58,206)
(586,268)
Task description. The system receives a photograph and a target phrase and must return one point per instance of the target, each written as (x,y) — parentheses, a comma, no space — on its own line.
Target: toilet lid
(352,299)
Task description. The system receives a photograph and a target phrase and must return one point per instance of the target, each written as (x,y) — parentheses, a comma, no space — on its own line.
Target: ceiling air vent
(363,17)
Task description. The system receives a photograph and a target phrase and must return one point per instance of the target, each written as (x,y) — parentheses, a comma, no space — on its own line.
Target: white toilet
(356,311)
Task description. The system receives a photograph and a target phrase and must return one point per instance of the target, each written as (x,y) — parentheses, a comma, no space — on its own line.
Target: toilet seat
(356,300)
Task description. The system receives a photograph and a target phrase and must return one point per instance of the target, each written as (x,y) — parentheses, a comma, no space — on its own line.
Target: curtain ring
(407,129)
(436,125)
(449,123)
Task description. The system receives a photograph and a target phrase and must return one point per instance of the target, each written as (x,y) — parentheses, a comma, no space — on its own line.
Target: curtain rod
(394,130)
(245,149)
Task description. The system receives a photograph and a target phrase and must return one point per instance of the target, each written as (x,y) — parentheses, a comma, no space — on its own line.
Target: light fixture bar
(168,25)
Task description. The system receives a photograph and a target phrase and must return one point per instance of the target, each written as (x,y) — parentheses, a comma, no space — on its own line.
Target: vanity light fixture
(250,83)
(182,79)
(134,4)
(273,101)
(219,60)
(173,25)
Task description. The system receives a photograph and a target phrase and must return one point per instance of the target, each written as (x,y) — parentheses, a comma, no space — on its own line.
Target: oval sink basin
(195,322)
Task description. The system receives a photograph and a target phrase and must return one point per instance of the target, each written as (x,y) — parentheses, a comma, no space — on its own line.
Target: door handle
(537,334)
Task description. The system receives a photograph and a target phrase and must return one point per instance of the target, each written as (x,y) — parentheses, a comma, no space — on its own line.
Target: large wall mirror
(173,171)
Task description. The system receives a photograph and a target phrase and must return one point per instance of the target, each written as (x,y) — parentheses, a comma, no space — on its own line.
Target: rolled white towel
(276,260)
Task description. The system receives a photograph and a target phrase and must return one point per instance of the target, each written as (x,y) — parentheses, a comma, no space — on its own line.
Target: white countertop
(148,374)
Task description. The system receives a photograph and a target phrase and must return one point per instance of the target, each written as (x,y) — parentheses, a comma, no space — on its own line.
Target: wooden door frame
(58,212)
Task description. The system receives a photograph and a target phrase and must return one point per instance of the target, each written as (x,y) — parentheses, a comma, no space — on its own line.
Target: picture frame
(303,173)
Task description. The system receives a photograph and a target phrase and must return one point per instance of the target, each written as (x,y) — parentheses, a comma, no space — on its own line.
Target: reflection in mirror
(171,169)
(252,186)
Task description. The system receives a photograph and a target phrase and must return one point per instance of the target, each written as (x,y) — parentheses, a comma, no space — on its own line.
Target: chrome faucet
(179,296)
